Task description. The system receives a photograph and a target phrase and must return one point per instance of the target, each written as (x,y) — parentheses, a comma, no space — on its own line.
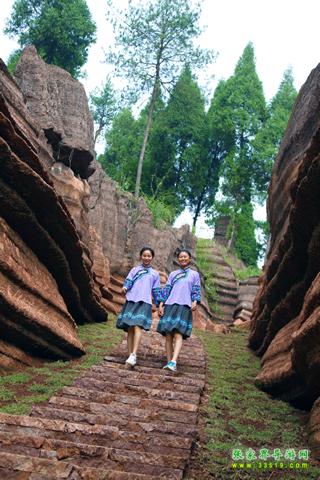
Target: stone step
(216,259)
(170,428)
(125,409)
(143,391)
(103,435)
(224,275)
(156,355)
(86,454)
(160,383)
(152,374)
(134,400)
(225,284)
(192,371)
(226,292)
(227,302)
(50,469)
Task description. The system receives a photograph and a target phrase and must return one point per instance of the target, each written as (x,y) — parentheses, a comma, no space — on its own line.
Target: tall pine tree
(267,141)
(245,113)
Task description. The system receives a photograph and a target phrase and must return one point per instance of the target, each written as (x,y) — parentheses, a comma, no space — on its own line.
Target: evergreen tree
(244,114)
(61,30)
(267,141)
(177,143)
(153,41)
(103,105)
(122,145)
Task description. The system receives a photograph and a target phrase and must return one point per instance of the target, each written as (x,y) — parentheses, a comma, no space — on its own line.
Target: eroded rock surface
(286,319)
(47,282)
(58,104)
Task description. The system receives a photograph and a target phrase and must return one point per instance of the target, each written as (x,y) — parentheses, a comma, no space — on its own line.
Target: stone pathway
(225,283)
(112,423)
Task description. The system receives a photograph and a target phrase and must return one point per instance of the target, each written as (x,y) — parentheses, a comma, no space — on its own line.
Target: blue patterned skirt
(135,313)
(176,318)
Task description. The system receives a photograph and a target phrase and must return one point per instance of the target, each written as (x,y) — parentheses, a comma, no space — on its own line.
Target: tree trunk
(198,209)
(145,138)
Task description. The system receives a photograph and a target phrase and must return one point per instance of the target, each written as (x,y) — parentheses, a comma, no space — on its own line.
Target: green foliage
(267,141)
(177,145)
(13,60)
(244,273)
(122,149)
(61,30)
(246,112)
(246,245)
(162,213)
(153,41)
(103,105)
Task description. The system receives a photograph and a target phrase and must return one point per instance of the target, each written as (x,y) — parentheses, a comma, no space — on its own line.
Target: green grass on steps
(20,390)
(240,271)
(238,415)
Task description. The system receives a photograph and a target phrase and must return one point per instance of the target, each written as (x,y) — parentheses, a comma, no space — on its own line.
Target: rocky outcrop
(247,290)
(286,320)
(47,282)
(58,104)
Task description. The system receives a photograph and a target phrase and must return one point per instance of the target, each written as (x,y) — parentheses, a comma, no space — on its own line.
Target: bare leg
(177,346)
(169,346)
(130,339)
(136,338)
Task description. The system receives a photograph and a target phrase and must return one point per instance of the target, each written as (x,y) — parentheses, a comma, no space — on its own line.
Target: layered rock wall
(286,318)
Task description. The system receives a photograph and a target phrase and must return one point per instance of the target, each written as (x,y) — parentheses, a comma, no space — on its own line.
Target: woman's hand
(124,289)
(194,305)
(161,310)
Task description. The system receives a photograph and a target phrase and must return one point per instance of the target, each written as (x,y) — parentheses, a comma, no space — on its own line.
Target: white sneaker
(132,359)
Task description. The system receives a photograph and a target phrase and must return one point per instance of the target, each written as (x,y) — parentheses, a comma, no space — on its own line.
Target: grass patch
(20,390)
(238,415)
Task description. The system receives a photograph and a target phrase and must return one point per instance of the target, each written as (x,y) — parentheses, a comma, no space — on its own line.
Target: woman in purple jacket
(179,297)
(141,284)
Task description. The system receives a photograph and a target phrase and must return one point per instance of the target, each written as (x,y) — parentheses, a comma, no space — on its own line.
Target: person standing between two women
(141,284)
(179,298)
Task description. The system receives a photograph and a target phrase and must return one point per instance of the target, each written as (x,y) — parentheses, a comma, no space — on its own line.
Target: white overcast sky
(284,33)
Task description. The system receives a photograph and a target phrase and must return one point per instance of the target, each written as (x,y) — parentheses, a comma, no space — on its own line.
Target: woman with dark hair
(141,284)
(179,298)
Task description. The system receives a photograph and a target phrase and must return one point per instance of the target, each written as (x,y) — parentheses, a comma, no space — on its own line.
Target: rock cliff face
(59,105)
(40,295)
(286,321)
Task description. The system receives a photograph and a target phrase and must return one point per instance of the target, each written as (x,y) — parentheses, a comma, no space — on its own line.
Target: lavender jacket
(142,283)
(183,287)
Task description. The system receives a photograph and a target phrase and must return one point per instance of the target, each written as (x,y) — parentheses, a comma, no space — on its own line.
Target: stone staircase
(112,423)
(225,283)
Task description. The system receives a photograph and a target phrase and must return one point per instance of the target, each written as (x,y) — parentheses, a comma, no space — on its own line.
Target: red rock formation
(247,290)
(286,319)
(46,277)
(58,104)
